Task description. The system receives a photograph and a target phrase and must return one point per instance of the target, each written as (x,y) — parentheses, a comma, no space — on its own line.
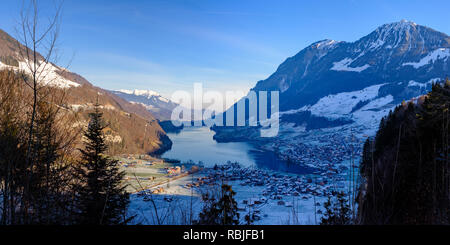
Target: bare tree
(36,44)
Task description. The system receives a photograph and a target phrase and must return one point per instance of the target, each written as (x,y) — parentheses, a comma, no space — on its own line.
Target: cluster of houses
(201,181)
(158,190)
(130,160)
(133,157)
(277,186)
(323,151)
(146,193)
(174,170)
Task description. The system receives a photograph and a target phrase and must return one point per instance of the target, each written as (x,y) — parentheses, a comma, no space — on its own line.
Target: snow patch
(371,114)
(47,74)
(339,105)
(149,94)
(148,107)
(139,92)
(413,83)
(438,54)
(90,106)
(378,103)
(343,65)
(163,99)
(325,44)
(375,45)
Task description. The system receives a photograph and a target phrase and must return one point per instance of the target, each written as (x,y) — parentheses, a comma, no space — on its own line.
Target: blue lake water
(197,144)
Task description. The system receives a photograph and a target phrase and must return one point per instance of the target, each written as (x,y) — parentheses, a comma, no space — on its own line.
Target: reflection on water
(197,144)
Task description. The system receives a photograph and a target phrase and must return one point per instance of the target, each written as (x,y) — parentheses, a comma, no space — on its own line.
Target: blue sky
(226,45)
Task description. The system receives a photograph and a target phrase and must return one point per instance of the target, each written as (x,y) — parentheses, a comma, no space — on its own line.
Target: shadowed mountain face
(132,128)
(344,82)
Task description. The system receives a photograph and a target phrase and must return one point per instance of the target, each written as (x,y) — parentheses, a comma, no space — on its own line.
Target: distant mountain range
(158,105)
(331,83)
(131,127)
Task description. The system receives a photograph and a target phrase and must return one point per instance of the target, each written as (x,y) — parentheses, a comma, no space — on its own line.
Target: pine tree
(405,175)
(46,181)
(101,196)
(219,212)
(228,206)
(336,212)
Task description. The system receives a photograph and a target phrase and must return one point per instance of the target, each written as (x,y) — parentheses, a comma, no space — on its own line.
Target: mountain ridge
(155,103)
(388,46)
(127,120)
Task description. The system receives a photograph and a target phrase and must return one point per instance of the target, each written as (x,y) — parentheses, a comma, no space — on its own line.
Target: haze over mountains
(131,127)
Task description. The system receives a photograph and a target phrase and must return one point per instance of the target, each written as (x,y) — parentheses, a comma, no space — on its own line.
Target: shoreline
(276,197)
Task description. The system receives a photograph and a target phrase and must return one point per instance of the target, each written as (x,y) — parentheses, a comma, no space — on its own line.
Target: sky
(225,45)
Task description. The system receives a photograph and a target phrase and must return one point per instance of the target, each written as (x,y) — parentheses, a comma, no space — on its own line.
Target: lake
(197,144)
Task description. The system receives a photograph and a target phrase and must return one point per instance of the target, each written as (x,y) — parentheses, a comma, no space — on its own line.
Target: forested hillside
(405,168)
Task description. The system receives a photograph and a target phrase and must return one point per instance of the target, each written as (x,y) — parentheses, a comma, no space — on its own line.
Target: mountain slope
(394,54)
(333,88)
(396,62)
(132,129)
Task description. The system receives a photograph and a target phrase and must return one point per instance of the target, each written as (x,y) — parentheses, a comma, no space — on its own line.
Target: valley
(319,145)
(182,113)
(278,191)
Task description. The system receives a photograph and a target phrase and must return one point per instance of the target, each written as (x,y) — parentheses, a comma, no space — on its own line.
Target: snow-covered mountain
(158,105)
(393,55)
(358,81)
(336,86)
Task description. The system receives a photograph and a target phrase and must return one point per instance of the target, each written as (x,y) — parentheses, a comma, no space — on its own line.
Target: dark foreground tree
(337,211)
(101,195)
(38,194)
(405,169)
(220,210)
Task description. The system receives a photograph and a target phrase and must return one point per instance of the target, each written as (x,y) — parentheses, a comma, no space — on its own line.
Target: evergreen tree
(406,175)
(47,199)
(337,212)
(101,196)
(222,211)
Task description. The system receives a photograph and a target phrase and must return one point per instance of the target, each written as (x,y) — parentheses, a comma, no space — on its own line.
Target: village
(279,188)
(270,196)
(144,172)
(324,151)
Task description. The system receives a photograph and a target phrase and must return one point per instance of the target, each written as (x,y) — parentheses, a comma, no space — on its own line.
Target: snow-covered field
(179,205)
(171,207)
